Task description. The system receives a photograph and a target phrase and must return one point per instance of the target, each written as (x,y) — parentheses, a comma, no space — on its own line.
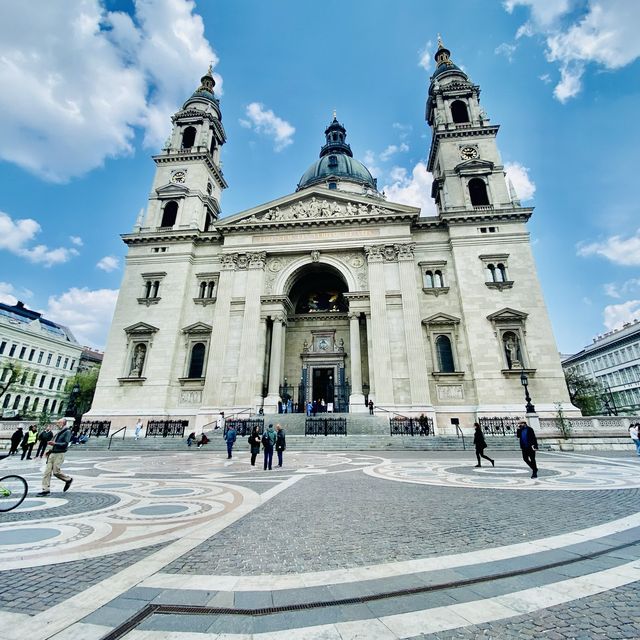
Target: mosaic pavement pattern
(332,546)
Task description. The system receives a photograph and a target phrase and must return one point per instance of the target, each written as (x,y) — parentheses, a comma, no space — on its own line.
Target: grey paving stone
(183,596)
(108,616)
(253,600)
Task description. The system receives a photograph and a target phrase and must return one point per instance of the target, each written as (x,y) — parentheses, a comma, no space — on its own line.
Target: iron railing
(115,433)
(166,428)
(422,426)
(325,427)
(244,426)
(96,428)
(496,426)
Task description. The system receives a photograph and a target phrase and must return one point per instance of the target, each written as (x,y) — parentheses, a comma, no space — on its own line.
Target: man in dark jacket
(16,439)
(43,439)
(56,458)
(528,443)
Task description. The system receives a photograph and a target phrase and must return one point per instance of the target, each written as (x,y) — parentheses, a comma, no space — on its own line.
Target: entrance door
(323,384)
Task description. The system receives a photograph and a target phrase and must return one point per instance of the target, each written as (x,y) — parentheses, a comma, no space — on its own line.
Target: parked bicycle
(13,490)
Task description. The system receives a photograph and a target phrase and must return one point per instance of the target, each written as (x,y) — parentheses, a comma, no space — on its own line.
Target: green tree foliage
(86,381)
(585,393)
(16,372)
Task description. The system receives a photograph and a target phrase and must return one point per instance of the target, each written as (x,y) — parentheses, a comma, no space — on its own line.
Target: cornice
(458,132)
(171,236)
(192,156)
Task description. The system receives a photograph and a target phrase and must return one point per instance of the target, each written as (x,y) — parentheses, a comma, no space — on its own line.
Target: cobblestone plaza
(333,546)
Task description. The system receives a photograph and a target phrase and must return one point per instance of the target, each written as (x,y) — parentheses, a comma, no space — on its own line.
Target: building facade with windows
(332,292)
(613,361)
(48,355)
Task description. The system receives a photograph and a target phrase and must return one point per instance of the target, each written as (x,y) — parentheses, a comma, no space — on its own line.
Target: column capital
(257,259)
(405,251)
(382,253)
(354,315)
(229,261)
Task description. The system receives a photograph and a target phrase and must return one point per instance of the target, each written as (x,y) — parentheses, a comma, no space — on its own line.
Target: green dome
(339,165)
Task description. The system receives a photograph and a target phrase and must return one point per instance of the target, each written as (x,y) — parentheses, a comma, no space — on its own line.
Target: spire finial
(335,115)
(440,43)
(210,69)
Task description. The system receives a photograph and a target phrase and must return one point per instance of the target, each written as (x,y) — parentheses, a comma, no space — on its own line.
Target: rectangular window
(42,381)
(59,384)
(51,382)
(40,356)
(58,361)
(31,354)
(33,379)
(49,358)
(12,350)
(73,364)
(66,362)
(22,352)
(3,344)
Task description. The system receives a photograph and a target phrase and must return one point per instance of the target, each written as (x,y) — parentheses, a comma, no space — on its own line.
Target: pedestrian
(254,444)
(289,405)
(203,440)
(480,444)
(281,443)
(634,432)
(28,440)
(528,443)
(314,408)
(16,439)
(370,407)
(138,429)
(230,437)
(55,458)
(43,440)
(323,406)
(268,441)
(309,408)
(191,438)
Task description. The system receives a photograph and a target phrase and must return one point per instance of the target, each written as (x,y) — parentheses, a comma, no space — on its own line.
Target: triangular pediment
(171,189)
(507,315)
(317,206)
(197,327)
(471,167)
(140,328)
(441,318)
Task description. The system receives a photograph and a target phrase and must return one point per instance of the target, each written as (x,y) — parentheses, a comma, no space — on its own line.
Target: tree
(17,371)
(585,393)
(86,381)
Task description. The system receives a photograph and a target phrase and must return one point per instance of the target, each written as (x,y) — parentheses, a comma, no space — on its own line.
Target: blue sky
(87,88)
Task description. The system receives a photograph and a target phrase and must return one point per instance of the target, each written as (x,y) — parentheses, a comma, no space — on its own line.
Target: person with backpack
(230,437)
(254,444)
(528,443)
(55,458)
(268,442)
(281,443)
(480,444)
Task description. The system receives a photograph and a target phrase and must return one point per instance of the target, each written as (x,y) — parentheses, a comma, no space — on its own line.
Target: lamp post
(72,408)
(524,381)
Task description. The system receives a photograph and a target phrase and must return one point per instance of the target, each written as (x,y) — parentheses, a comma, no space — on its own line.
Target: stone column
(414,341)
(262,356)
(356,399)
(372,384)
(275,365)
(381,364)
(250,362)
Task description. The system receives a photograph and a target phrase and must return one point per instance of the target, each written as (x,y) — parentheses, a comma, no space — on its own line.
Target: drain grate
(192,610)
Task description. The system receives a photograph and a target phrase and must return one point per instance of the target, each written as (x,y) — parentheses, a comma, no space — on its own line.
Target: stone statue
(512,351)
(137,362)
(305,346)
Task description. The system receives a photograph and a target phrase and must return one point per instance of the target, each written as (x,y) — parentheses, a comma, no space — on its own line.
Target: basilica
(332,293)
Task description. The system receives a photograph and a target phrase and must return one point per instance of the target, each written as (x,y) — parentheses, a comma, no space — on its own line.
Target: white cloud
(615,315)
(76,79)
(403,129)
(108,263)
(266,122)
(519,176)
(414,189)
(16,235)
(425,56)
(392,149)
(619,250)
(87,313)
(545,77)
(6,293)
(617,291)
(604,35)
(371,162)
(76,240)
(507,50)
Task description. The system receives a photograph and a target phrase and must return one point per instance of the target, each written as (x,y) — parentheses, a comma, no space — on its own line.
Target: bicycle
(13,490)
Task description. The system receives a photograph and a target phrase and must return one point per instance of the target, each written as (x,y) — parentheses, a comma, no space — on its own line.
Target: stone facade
(332,290)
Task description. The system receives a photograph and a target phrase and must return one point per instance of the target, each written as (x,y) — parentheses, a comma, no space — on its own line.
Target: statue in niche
(137,361)
(512,350)
(305,346)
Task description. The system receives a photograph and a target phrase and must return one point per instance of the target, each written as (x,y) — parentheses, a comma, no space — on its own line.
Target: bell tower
(464,158)
(188,183)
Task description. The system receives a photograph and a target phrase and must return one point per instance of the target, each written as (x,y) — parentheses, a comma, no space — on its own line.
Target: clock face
(179,177)
(468,153)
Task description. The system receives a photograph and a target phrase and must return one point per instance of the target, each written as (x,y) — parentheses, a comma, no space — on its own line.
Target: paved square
(191,546)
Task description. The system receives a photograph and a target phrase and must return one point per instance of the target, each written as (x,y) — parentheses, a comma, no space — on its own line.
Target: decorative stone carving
(405,251)
(382,252)
(274,265)
(357,262)
(315,256)
(374,254)
(229,261)
(257,259)
(190,396)
(137,361)
(450,392)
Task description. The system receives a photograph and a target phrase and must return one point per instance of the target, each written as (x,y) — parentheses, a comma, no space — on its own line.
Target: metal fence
(325,427)
(495,426)
(96,428)
(422,426)
(244,427)
(166,428)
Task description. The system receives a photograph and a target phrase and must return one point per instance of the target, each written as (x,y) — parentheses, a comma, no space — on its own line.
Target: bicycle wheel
(13,490)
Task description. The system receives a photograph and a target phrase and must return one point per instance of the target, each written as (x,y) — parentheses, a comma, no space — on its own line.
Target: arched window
(25,405)
(35,404)
(16,402)
(437,279)
(212,147)
(428,280)
(478,192)
(203,289)
(53,406)
(147,289)
(512,350)
(45,406)
(197,360)
(208,220)
(169,214)
(188,137)
(210,289)
(459,111)
(60,410)
(502,271)
(155,289)
(491,273)
(7,399)
(445,354)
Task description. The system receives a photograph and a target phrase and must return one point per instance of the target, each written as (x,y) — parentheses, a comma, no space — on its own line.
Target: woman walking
(254,443)
(480,444)
(281,443)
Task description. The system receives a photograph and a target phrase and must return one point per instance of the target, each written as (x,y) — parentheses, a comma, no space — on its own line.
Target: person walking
(28,440)
(480,444)
(528,443)
(370,407)
(230,437)
(16,439)
(55,458)
(43,440)
(281,443)
(254,444)
(138,429)
(634,433)
(268,442)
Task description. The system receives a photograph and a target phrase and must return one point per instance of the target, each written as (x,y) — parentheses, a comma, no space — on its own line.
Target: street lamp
(73,399)
(524,381)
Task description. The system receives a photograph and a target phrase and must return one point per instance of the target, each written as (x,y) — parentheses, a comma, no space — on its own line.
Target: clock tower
(188,183)
(464,159)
